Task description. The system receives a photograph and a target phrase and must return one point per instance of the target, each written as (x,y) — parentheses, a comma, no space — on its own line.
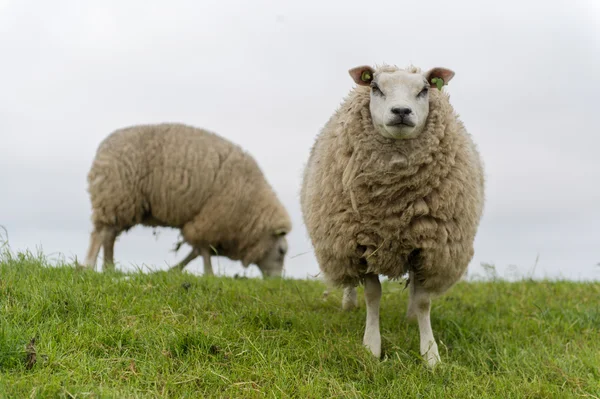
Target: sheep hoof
(373,343)
(431,356)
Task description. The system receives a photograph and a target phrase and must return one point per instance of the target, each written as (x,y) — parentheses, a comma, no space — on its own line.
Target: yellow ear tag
(366,76)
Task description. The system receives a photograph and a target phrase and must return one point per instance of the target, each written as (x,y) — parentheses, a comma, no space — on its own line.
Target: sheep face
(271,265)
(399,99)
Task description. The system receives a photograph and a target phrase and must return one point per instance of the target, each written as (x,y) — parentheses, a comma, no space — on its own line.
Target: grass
(177,335)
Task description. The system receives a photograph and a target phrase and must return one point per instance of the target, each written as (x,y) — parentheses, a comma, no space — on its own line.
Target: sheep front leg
(350,298)
(419,307)
(372,337)
(191,256)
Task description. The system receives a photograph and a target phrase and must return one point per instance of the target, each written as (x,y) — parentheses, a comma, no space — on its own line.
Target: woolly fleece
(384,206)
(174,175)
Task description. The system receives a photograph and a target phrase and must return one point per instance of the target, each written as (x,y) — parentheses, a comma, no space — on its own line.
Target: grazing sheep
(178,176)
(394,185)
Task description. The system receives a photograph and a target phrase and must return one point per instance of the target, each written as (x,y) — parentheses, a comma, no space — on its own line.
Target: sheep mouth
(401,123)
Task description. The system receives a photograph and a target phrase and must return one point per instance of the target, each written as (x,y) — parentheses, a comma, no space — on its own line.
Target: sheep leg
(93,250)
(350,298)
(372,337)
(109,237)
(208,271)
(191,256)
(419,307)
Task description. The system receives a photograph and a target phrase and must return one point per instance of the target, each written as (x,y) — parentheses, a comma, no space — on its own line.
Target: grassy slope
(99,335)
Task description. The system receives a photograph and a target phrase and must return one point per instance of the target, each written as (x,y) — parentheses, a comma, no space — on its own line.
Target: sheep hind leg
(109,236)
(93,249)
(419,307)
(372,337)
(191,256)
(350,298)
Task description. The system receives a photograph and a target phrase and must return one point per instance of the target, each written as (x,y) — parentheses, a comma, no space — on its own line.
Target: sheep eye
(376,89)
(423,92)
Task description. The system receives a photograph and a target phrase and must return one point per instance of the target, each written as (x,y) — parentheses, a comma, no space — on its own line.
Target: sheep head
(271,265)
(399,99)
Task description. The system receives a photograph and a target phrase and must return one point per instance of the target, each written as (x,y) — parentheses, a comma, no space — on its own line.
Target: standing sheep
(178,176)
(394,185)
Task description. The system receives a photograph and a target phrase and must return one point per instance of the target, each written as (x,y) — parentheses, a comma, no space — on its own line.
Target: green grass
(177,335)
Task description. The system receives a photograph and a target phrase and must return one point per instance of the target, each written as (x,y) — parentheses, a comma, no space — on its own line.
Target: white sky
(268,75)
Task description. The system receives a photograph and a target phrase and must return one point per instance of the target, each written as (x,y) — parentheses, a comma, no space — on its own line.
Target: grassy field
(177,335)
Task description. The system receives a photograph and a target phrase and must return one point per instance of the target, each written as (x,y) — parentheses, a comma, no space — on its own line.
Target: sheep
(394,185)
(178,176)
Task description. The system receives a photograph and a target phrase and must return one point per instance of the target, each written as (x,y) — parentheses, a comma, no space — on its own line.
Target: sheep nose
(401,111)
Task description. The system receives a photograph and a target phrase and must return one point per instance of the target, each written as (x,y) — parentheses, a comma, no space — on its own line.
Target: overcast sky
(268,74)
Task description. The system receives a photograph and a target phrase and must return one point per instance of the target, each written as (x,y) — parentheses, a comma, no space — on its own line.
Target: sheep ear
(362,75)
(439,73)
